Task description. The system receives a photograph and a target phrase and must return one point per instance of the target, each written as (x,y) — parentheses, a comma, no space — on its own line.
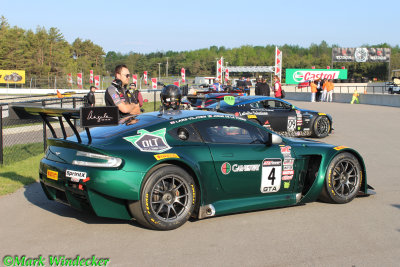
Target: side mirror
(276,139)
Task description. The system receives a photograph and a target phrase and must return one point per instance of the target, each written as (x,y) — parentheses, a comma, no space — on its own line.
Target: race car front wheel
(321,126)
(343,179)
(167,199)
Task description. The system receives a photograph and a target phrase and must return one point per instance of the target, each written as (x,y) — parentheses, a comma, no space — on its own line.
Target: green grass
(149,106)
(20,167)
(19,174)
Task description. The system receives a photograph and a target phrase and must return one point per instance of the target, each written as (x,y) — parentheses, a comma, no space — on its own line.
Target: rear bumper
(103,193)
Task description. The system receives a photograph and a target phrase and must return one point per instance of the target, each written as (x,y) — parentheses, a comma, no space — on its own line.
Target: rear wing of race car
(88,116)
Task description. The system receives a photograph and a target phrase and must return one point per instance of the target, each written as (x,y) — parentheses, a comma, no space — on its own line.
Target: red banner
(91,76)
(79,80)
(183,75)
(97,81)
(226,75)
(176,83)
(69,78)
(134,79)
(278,62)
(154,83)
(145,77)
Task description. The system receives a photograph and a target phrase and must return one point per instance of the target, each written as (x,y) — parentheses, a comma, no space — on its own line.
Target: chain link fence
(23,138)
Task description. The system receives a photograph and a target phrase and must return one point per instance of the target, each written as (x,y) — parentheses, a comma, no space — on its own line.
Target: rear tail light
(96,160)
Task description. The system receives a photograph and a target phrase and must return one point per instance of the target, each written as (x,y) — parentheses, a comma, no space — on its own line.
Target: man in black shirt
(91,99)
(118,95)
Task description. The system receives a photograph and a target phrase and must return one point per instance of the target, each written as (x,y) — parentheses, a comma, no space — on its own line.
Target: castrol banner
(79,80)
(296,76)
(134,79)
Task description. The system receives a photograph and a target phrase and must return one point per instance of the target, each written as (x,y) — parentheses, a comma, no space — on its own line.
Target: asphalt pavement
(365,232)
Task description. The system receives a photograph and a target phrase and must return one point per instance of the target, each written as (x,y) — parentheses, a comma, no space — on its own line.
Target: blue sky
(151,26)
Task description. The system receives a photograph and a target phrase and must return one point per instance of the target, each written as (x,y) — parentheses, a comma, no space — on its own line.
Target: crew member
(314,90)
(117,93)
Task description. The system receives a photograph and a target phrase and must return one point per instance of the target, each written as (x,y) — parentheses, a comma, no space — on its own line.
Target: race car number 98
(271,175)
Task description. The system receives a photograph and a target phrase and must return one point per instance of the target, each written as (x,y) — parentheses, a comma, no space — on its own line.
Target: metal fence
(21,138)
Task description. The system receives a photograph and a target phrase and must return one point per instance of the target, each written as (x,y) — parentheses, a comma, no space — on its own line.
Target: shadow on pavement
(35,195)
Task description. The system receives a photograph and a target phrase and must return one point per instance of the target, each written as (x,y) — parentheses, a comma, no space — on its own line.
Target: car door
(281,116)
(243,163)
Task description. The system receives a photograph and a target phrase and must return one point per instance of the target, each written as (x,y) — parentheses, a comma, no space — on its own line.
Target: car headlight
(96,160)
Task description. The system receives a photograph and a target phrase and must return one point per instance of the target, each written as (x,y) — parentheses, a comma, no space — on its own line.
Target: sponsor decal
(340,147)
(52,175)
(75,175)
(287,167)
(286,185)
(288,172)
(322,114)
(166,156)
(291,124)
(287,177)
(229,99)
(285,150)
(251,116)
(288,161)
(226,168)
(271,175)
(147,141)
(99,116)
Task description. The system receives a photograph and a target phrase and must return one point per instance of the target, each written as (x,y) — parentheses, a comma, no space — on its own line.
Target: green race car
(163,168)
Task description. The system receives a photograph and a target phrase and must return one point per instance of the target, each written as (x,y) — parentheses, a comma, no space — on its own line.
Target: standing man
(263,88)
(314,90)
(117,93)
(331,86)
(91,99)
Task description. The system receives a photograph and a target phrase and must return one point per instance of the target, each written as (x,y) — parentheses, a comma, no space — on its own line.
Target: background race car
(278,115)
(163,168)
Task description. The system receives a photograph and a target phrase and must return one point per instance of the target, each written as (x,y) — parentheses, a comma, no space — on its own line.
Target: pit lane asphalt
(365,232)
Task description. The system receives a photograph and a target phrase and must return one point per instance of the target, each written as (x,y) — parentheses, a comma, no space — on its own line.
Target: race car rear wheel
(343,179)
(321,126)
(167,199)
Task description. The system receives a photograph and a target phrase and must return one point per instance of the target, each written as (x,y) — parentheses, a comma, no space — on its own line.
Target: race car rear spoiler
(88,116)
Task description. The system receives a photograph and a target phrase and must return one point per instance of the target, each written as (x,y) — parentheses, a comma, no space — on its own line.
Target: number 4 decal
(271,175)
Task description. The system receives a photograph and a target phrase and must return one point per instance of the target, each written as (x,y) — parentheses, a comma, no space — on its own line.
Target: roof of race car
(242,100)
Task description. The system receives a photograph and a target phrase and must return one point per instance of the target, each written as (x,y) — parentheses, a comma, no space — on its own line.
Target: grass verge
(18,174)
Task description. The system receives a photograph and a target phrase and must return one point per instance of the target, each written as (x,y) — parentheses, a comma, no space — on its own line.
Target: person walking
(355,97)
(277,87)
(314,90)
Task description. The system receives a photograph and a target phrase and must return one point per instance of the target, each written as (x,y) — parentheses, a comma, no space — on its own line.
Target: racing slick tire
(342,180)
(167,199)
(321,127)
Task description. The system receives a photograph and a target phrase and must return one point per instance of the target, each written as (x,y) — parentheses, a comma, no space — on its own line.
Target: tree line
(45,53)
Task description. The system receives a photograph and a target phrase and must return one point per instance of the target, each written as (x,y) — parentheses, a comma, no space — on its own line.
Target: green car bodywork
(228,176)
